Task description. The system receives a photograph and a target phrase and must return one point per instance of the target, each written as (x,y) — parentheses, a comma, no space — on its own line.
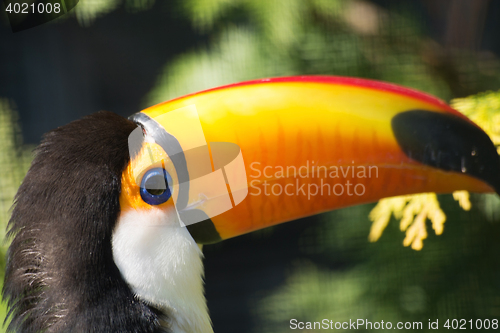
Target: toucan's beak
(313,144)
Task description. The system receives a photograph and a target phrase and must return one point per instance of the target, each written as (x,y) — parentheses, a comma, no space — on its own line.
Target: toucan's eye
(155,186)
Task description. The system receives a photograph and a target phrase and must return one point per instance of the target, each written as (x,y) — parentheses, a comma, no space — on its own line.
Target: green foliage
(14,163)
(262,38)
(87,11)
(454,276)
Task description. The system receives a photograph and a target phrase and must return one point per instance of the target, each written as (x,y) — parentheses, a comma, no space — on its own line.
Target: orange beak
(313,144)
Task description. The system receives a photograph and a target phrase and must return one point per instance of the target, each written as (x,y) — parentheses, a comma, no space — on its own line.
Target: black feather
(60,274)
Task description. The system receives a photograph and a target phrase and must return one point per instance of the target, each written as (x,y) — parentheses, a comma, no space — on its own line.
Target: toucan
(107,225)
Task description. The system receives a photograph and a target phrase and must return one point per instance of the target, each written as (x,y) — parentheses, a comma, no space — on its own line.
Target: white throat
(163,265)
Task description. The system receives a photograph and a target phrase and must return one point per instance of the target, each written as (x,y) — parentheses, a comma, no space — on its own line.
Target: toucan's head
(106,222)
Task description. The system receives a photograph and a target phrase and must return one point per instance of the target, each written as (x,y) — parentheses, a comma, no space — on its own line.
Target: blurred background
(125,55)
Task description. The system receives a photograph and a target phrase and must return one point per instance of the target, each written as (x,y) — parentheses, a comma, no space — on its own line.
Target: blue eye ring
(152,186)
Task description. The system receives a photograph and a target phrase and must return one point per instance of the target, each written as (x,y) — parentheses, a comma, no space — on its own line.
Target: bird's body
(97,248)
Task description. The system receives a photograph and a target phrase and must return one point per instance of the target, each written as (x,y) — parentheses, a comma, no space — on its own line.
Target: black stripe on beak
(449,143)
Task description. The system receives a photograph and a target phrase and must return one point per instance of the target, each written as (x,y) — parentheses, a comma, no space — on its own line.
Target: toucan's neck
(163,265)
